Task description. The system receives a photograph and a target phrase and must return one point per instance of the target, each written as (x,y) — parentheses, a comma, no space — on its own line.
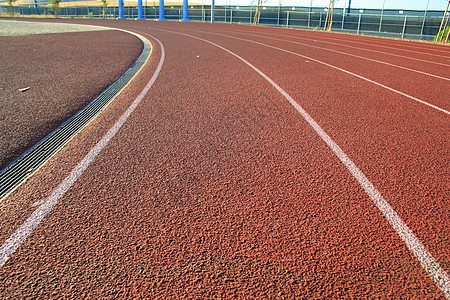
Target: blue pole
(212,11)
(35,4)
(161,11)
(121,16)
(140,11)
(185,11)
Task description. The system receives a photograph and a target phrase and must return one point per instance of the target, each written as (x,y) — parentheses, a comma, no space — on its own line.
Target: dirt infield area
(47,78)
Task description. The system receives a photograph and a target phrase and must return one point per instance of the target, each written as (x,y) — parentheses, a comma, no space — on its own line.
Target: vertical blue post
(140,11)
(185,11)
(212,11)
(161,11)
(35,4)
(121,16)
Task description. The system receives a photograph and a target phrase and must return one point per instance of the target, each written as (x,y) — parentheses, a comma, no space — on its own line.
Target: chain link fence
(399,24)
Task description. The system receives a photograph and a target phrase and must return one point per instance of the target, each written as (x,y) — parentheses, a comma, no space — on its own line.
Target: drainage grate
(31,160)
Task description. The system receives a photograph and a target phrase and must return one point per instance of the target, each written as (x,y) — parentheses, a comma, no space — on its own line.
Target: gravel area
(61,73)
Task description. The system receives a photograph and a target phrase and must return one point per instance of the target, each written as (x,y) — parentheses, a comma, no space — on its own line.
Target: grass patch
(442,35)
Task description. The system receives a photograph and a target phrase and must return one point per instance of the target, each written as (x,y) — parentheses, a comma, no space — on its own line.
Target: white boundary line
(395,48)
(334,67)
(20,235)
(349,54)
(427,46)
(353,47)
(425,258)
(85,125)
(412,242)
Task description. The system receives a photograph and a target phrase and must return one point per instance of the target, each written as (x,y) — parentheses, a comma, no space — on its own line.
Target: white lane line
(427,261)
(427,48)
(19,236)
(399,49)
(334,67)
(349,54)
(354,47)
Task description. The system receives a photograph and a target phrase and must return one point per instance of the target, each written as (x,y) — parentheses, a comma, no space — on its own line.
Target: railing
(401,26)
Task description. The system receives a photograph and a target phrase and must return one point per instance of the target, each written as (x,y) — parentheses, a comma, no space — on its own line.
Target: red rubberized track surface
(216,187)
(45,63)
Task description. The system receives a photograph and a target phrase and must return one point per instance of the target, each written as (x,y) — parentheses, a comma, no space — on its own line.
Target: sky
(378,4)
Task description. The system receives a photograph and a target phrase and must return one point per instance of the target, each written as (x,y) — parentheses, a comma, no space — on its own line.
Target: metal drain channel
(17,171)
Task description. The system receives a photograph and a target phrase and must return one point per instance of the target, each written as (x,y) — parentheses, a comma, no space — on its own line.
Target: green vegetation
(55,7)
(104,4)
(443,36)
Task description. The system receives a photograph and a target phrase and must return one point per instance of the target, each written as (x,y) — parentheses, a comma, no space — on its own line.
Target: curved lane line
(394,48)
(354,47)
(86,119)
(19,236)
(332,66)
(349,54)
(404,50)
(427,261)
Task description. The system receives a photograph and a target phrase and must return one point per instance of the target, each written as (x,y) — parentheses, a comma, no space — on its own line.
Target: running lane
(434,66)
(409,48)
(216,186)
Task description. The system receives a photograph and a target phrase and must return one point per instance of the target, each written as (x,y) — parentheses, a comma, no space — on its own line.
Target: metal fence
(401,26)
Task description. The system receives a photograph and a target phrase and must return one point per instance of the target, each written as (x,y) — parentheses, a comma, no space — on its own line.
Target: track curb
(18,171)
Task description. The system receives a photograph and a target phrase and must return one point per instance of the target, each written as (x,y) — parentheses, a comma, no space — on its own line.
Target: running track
(255,166)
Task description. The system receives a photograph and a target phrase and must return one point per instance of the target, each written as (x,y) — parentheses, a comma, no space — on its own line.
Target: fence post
(185,11)
(381,21)
(424,17)
(231,16)
(161,11)
(140,11)
(121,10)
(287,19)
(309,19)
(278,20)
(343,17)
(320,21)
(359,23)
(381,18)
(213,7)
(423,25)
(404,26)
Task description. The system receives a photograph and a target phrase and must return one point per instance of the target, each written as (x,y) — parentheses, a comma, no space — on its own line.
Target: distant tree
(11,8)
(55,7)
(104,4)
